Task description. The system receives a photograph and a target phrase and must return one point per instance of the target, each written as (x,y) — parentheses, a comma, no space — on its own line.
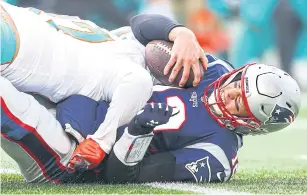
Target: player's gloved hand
(187,54)
(146,120)
(87,155)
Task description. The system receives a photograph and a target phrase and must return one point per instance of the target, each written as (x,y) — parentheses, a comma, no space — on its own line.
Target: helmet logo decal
(200,169)
(280,115)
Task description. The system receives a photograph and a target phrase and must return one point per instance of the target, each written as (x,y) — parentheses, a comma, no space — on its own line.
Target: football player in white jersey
(58,56)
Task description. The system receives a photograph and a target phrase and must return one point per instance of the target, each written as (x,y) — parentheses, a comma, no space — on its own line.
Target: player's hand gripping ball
(157,55)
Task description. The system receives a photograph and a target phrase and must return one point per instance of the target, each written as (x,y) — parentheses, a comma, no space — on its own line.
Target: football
(157,55)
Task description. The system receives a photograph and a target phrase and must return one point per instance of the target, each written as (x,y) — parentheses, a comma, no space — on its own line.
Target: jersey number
(175,122)
(76,28)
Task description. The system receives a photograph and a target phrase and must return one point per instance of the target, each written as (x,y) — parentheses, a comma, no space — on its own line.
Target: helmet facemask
(215,103)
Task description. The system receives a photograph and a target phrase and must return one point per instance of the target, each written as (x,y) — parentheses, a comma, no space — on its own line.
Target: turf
(268,182)
(270,164)
(14,184)
(259,182)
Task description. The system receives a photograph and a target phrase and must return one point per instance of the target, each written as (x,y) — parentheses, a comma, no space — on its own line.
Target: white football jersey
(57,55)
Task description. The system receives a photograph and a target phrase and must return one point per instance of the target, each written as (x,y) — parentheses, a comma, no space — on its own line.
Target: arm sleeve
(148,27)
(202,162)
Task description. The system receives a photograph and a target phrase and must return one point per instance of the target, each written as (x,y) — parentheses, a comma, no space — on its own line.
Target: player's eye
(237,104)
(240,100)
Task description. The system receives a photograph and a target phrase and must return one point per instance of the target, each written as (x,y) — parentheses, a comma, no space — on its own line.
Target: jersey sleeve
(142,26)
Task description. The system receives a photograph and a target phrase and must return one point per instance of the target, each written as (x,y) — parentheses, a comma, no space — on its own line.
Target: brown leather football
(157,55)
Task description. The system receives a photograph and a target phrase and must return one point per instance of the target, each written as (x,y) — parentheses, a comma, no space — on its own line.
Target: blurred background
(240,31)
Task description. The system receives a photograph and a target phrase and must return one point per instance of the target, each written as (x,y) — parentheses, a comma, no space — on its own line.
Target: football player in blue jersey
(191,134)
(194,134)
(200,143)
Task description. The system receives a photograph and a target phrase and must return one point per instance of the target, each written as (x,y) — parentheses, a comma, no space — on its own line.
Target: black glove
(146,120)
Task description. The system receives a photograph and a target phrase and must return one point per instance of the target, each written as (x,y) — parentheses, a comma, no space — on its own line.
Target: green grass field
(270,164)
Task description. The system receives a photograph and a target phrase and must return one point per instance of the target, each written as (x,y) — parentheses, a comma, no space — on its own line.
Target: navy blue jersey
(193,123)
(204,150)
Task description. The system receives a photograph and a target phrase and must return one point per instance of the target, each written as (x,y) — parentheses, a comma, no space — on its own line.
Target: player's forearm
(154,168)
(117,172)
(148,27)
(128,97)
(123,162)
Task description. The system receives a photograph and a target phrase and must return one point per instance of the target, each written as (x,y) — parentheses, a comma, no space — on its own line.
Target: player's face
(232,99)
(228,104)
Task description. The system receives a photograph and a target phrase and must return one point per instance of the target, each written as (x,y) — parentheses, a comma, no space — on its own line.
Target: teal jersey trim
(34,10)
(96,35)
(92,34)
(9,39)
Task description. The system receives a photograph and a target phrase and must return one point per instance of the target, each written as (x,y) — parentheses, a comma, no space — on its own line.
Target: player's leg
(129,89)
(32,136)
